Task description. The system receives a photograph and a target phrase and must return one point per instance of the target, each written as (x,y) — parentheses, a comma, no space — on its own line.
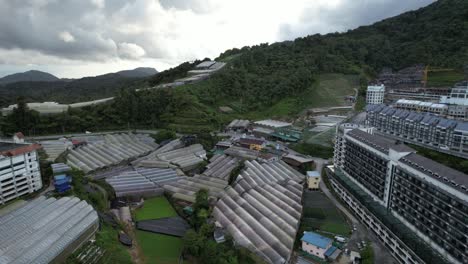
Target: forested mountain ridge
(259,76)
(74,90)
(28,76)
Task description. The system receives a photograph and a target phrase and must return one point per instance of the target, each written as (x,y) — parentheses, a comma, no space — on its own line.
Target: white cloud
(130,51)
(66,36)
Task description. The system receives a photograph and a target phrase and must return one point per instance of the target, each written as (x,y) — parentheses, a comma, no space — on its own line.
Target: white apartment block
(19,170)
(375,94)
(420,196)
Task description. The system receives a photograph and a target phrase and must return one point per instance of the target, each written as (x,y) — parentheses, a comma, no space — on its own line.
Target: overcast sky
(75,38)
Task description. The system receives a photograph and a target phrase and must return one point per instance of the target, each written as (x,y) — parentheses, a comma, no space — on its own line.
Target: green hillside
(280,78)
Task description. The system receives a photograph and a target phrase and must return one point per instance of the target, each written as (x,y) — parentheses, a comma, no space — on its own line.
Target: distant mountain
(72,90)
(29,76)
(138,72)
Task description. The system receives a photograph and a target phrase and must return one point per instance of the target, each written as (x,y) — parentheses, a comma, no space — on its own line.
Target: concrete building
(19,170)
(425,129)
(252,143)
(419,106)
(375,94)
(313,180)
(317,245)
(427,198)
(458,95)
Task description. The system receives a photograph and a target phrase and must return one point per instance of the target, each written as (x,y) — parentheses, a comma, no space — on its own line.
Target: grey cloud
(197,6)
(37,25)
(348,14)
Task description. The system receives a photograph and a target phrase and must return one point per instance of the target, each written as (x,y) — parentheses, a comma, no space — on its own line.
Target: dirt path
(135,251)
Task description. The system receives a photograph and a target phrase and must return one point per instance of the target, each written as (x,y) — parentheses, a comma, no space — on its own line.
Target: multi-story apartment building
(375,94)
(425,129)
(428,198)
(19,170)
(419,106)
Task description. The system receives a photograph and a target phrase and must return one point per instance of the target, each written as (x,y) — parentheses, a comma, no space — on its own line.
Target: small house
(299,162)
(252,143)
(315,244)
(313,180)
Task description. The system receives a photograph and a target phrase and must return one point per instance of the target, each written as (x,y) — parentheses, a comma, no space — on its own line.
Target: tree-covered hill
(261,76)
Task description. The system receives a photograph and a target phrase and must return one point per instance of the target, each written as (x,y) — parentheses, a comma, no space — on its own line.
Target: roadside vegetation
(367,254)
(313,150)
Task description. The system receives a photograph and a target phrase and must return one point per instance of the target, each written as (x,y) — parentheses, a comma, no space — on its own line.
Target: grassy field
(154,208)
(324,138)
(329,90)
(157,248)
(444,78)
(320,214)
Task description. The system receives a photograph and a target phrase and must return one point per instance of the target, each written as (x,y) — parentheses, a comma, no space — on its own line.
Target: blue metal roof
(316,239)
(330,251)
(313,174)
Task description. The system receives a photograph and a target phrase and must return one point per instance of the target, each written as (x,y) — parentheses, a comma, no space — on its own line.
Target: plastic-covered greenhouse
(173,154)
(256,173)
(111,151)
(263,210)
(221,166)
(46,230)
(142,181)
(242,153)
(187,187)
(264,219)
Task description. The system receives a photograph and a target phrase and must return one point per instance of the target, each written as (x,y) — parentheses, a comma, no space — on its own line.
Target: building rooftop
(330,251)
(299,158)
(376,88)
(251,141)
(316,239)
(272,123)
(378,142)
(14,149)
(438,171)
(313,174)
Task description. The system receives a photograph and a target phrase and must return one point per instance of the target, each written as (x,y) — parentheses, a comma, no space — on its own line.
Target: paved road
(381,254)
